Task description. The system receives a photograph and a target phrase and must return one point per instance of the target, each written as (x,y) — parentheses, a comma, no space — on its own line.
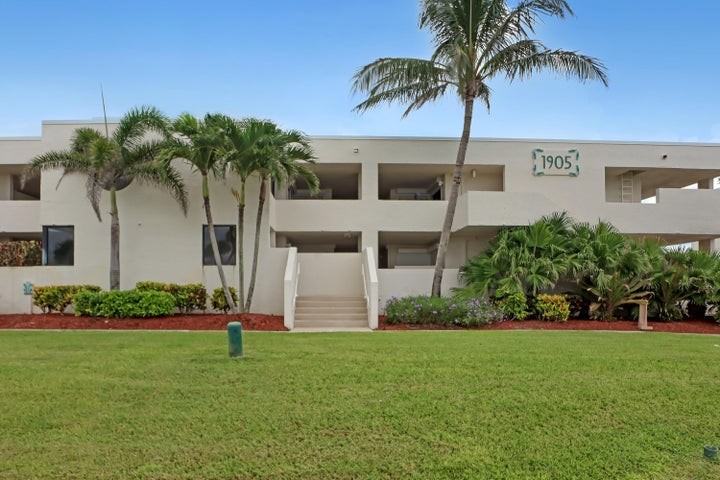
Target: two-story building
(372,231)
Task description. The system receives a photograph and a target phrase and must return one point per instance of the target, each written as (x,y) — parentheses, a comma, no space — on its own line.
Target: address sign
(556,162)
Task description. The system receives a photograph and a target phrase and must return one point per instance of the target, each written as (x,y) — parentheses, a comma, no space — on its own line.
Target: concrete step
(330,313)
(331,309)
(331,323)
(329,302)
(332,316)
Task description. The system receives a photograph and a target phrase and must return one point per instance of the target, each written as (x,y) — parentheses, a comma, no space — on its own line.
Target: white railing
(370,286)
(290,287)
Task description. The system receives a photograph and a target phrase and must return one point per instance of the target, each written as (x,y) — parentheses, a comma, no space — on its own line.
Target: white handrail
(290,288)
(370,285)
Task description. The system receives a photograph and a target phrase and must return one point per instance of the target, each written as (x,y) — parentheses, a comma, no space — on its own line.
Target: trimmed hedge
(56,298)
(218,300)
(20,253)
(426,310)
(124,304)
(188,298)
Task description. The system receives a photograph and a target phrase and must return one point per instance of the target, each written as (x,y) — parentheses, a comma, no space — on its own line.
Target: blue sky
(292,61)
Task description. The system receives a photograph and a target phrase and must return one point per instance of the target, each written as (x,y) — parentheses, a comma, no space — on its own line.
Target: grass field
(426,405)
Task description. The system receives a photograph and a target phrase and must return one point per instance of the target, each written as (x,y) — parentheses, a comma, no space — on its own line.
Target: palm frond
(401,80)
(163,175)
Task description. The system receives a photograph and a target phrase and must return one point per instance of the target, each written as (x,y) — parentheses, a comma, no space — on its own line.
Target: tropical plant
(555,308)
(111,161)
(201,143)
(475,41)
(280,156)
(525,260)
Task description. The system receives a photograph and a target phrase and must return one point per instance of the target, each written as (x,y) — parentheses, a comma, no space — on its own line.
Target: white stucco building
(373,227)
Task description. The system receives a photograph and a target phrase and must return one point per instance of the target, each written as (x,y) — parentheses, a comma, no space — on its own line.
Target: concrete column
(706,184)
(642,318)
(708,245)
(369,182)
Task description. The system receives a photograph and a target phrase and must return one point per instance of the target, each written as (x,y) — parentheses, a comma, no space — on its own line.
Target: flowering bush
(424,310)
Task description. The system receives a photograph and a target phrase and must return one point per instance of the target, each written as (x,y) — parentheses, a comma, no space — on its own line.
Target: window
(225,235)
(58,245)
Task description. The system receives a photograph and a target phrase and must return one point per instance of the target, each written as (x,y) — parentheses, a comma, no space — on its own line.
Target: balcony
(20,216)
(677,211)
(354,215)
(494,209)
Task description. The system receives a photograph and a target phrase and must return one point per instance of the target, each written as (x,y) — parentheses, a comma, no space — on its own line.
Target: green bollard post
(235,345)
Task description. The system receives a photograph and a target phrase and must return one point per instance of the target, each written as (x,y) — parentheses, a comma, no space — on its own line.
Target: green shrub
(85,303)
(188,298)
(426,310)
(124,304)
(513,305)
(56,298)
(218,300)
(20,253)
(555,308)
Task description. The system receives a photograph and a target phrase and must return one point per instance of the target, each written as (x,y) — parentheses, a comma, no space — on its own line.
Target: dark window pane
(225,235)
(58,245)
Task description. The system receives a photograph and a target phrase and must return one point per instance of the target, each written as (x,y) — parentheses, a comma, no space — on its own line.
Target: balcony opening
(338,181)
(625,185)
(320,242)
(11,187)
(412,182)
(433,182)
(407,249)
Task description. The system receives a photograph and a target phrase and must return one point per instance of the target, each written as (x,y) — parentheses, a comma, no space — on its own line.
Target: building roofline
(515,140)
(31,138)
(100,121)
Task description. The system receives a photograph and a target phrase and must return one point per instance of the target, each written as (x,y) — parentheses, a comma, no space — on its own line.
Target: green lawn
(426,405)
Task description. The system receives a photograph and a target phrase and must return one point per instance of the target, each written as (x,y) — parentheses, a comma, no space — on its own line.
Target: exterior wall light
(356,150)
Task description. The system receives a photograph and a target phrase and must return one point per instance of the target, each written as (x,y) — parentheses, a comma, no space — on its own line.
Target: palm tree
(475,41)
(200,142)
(243,153)
(281,156)
(111,162)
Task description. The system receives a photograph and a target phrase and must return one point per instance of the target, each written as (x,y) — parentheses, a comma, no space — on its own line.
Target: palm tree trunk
(213,243)
(256,248)
(114,242)
(452,201)
(241,250)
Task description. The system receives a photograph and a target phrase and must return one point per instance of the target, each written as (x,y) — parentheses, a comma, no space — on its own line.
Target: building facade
(374,225)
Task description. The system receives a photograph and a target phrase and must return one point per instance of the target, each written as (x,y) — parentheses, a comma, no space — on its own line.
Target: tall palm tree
(242,156)
(281,156)
(200,142)
(111,161)
(475,41)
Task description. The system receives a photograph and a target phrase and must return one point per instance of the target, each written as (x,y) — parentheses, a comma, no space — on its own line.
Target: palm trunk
(241,250)
(214,245)
(114,242)
(256,248)
(452,201)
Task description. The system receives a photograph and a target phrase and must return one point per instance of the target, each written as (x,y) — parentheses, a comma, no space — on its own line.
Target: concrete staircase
(330,313)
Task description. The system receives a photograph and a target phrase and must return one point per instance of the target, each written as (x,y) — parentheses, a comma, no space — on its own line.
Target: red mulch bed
(686,326)
(255,321)
(250,321)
